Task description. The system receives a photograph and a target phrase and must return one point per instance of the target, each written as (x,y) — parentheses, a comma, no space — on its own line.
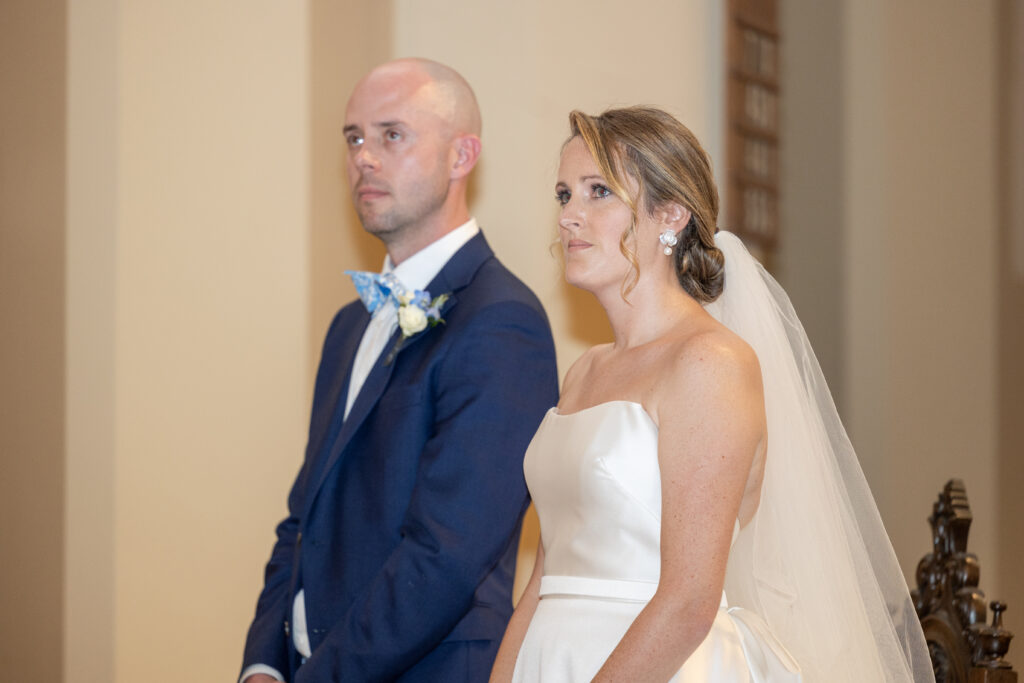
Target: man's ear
(467,153)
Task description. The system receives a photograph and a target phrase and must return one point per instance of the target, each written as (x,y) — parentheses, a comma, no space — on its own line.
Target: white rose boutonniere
(416,312)
(412,319)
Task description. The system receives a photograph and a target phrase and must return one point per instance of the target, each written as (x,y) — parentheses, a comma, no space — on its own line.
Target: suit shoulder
(496,284)
(345,317)
(350,311)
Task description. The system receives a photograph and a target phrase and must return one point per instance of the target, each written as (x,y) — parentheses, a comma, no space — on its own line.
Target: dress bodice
(595,481)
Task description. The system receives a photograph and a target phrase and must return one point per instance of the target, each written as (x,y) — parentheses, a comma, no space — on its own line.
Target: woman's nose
(570,216)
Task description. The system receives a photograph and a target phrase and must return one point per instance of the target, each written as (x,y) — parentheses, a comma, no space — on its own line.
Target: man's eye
(597,190)
(562,197)
(393,135)
(354,140)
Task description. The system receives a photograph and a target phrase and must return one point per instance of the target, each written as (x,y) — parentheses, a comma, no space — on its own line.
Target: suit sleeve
(493,387)
(267,641)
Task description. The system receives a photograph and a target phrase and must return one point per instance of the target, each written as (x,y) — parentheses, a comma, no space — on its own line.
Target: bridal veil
(815,561)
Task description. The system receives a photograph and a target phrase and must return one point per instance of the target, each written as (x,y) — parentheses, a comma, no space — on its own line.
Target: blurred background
(175,224)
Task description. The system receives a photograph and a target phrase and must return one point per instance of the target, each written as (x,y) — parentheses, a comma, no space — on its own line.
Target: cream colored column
(91,301)
(212,321)
(809,261)
(188,324)
(920,262)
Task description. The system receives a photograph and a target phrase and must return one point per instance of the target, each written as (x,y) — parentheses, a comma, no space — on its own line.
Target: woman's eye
(562,197)
(597,190)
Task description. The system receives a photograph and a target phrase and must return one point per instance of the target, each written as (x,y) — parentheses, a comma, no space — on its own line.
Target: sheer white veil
(815,561)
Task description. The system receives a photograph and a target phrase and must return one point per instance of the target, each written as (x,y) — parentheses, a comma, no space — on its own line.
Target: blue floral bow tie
(375,288)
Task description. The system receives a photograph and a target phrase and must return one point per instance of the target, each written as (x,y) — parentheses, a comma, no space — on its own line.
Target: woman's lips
(576,245)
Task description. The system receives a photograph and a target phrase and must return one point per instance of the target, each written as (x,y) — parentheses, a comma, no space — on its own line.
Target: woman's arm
(505,663)
(710,413)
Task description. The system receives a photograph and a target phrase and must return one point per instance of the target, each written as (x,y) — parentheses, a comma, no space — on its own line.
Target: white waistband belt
(598,588)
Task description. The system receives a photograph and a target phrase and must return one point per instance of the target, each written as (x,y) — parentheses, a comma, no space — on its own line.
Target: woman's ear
(674,216)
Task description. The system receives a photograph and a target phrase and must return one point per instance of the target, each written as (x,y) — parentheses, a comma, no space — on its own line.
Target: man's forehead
(409,71)
(383,99)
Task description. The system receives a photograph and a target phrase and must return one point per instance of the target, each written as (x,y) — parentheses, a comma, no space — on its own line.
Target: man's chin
(373,223)
(378,226)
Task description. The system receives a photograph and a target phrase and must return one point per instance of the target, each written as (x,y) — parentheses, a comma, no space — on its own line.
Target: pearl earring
(669,239)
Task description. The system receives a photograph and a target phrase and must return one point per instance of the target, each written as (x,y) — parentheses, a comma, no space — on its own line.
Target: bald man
(397,557)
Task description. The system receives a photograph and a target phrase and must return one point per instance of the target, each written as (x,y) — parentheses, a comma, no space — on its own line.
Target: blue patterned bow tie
(375,288)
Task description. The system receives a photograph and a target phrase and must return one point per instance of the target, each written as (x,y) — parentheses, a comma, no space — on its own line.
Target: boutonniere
(416,312)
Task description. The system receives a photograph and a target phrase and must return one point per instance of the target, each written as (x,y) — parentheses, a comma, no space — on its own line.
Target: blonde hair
(665,159)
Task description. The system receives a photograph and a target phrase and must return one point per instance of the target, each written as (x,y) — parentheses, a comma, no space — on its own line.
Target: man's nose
(365,158)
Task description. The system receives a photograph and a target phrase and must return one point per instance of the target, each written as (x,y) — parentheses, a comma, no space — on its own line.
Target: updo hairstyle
(652,148)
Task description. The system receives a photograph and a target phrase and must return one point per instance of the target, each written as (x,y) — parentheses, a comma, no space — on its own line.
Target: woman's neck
(655,306)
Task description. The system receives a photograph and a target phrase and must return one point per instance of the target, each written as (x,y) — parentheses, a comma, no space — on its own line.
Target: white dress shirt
(415,272)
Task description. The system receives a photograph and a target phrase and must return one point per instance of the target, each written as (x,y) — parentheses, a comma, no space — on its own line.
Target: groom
(397,557)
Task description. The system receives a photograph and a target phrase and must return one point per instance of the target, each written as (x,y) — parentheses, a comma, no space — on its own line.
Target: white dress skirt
(595,482)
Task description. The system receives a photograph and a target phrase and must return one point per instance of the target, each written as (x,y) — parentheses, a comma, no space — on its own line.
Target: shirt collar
(418,270)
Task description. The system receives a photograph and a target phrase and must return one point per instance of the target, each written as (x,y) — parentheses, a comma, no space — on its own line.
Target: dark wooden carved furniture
(952,607)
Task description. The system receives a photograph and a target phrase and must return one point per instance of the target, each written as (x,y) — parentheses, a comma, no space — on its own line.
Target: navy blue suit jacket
(404,519)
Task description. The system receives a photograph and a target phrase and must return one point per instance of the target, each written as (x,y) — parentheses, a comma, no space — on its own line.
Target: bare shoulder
(710,365)
(581,367)
(716,350)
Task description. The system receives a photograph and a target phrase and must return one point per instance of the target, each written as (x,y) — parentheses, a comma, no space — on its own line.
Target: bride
(703,516)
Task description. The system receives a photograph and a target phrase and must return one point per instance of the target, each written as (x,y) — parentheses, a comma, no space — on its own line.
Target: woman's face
(591,223)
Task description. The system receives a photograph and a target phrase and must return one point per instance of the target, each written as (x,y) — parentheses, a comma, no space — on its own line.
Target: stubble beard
(392,224)
(380,225)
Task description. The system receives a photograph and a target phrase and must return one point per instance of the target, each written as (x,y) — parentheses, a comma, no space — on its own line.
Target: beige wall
(920,229)
(205,225)
(346,40)
(211,320)
(809,262)
(32,285)
(891,212)
(188,325)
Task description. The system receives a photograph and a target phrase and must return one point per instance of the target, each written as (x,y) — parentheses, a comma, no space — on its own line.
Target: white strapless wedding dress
(595,481)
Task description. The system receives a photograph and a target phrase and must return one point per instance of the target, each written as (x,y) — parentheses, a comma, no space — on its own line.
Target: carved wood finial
(993,641)
(950,605)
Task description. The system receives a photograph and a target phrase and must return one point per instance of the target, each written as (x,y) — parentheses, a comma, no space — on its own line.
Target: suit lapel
(454,276)
(328,410)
